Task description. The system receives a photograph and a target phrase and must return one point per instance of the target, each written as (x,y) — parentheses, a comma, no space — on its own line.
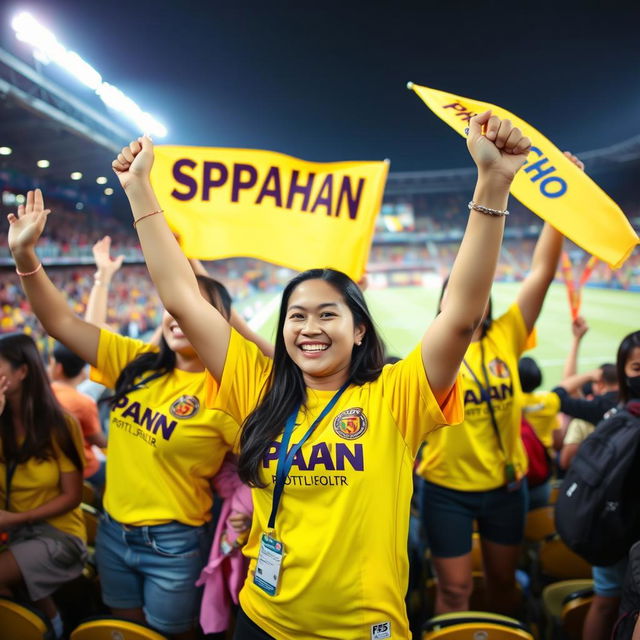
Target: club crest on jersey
(350,423)
(499,368)
(185,407)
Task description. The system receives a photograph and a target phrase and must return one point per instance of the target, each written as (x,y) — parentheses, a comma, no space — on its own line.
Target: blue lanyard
(285,459)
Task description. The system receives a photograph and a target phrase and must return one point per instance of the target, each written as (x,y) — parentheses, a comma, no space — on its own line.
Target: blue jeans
(608,581)
(154,568)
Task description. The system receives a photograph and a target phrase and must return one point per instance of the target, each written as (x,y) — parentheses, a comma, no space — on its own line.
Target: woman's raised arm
(498,150)
(48,304)
(170,271)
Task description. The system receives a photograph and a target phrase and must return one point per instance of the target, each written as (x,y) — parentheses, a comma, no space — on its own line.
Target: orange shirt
(85,410)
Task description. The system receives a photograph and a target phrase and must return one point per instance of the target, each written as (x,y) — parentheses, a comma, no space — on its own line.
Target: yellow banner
(226,203)
(550,184)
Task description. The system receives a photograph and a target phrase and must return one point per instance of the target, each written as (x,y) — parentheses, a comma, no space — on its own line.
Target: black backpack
(598,509)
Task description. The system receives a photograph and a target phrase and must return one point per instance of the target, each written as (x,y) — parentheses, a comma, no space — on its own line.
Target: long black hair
(628,344)
(286,389)
(43,419)
(486,323)
(161,362)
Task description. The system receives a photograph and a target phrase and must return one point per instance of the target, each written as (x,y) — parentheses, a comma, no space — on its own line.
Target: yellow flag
(227,203)
(550,184)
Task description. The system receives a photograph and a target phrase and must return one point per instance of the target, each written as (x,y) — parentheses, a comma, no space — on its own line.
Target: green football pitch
(403,313)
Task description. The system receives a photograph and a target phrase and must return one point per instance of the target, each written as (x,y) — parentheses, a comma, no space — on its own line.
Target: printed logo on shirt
(380,631)
(185,407)
(499,368)
(350,423)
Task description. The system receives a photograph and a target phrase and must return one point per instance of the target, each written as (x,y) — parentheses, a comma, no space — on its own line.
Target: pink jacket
(224,574)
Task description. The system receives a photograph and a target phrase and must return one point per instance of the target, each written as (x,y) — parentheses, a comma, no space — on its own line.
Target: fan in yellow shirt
(164,447)
(477,472)
(329,435)
(41,464)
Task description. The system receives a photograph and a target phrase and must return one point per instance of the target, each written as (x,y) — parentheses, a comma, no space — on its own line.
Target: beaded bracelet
(486,210)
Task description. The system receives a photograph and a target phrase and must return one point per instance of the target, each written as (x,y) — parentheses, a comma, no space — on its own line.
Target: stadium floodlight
(118,101)
(20,199)
(79,206)
(108,191)
(43,164)
(6,151)
(101,180)
(47,48)
(76,175)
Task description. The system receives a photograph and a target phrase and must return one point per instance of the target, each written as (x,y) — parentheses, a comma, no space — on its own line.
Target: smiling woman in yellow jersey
(477,473)
(339,432)
(165,445)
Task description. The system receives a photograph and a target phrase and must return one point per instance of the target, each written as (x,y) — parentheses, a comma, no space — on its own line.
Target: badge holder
(267,573)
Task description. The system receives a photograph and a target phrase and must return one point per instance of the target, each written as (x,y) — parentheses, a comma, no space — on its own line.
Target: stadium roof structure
(41,120)
(445,181)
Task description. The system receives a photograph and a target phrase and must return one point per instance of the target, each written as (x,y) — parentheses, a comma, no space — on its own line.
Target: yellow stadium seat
(23,622)
(553,597)
(574,612)
(540,524)
(558,562)
(467,625)
(108,628)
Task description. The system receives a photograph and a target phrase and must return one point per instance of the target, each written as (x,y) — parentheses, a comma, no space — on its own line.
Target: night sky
(326,80)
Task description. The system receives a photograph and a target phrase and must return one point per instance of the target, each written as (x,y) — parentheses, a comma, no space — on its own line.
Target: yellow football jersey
(344,514)
(36,482)
(164,444)
(470,458)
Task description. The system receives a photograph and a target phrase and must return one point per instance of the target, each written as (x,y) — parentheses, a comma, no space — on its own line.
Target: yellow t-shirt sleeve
(115,352)
(413,405)
(551,403)
(64,462)
(512,330)
(244,378)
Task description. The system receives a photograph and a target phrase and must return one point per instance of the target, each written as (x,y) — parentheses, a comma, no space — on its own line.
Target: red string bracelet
(146,215)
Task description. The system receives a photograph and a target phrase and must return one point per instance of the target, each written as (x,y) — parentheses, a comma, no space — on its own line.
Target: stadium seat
(558,562)
(574,611)
(23,622)
(466,625)
(108,628)
(540,524)
(554,596)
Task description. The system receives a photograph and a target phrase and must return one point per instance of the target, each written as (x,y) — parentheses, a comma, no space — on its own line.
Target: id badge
(267,574)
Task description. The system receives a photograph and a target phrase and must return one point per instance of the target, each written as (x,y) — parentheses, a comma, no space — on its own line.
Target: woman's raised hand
(106,265)
(133,164)
(25,227)
(496,146)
